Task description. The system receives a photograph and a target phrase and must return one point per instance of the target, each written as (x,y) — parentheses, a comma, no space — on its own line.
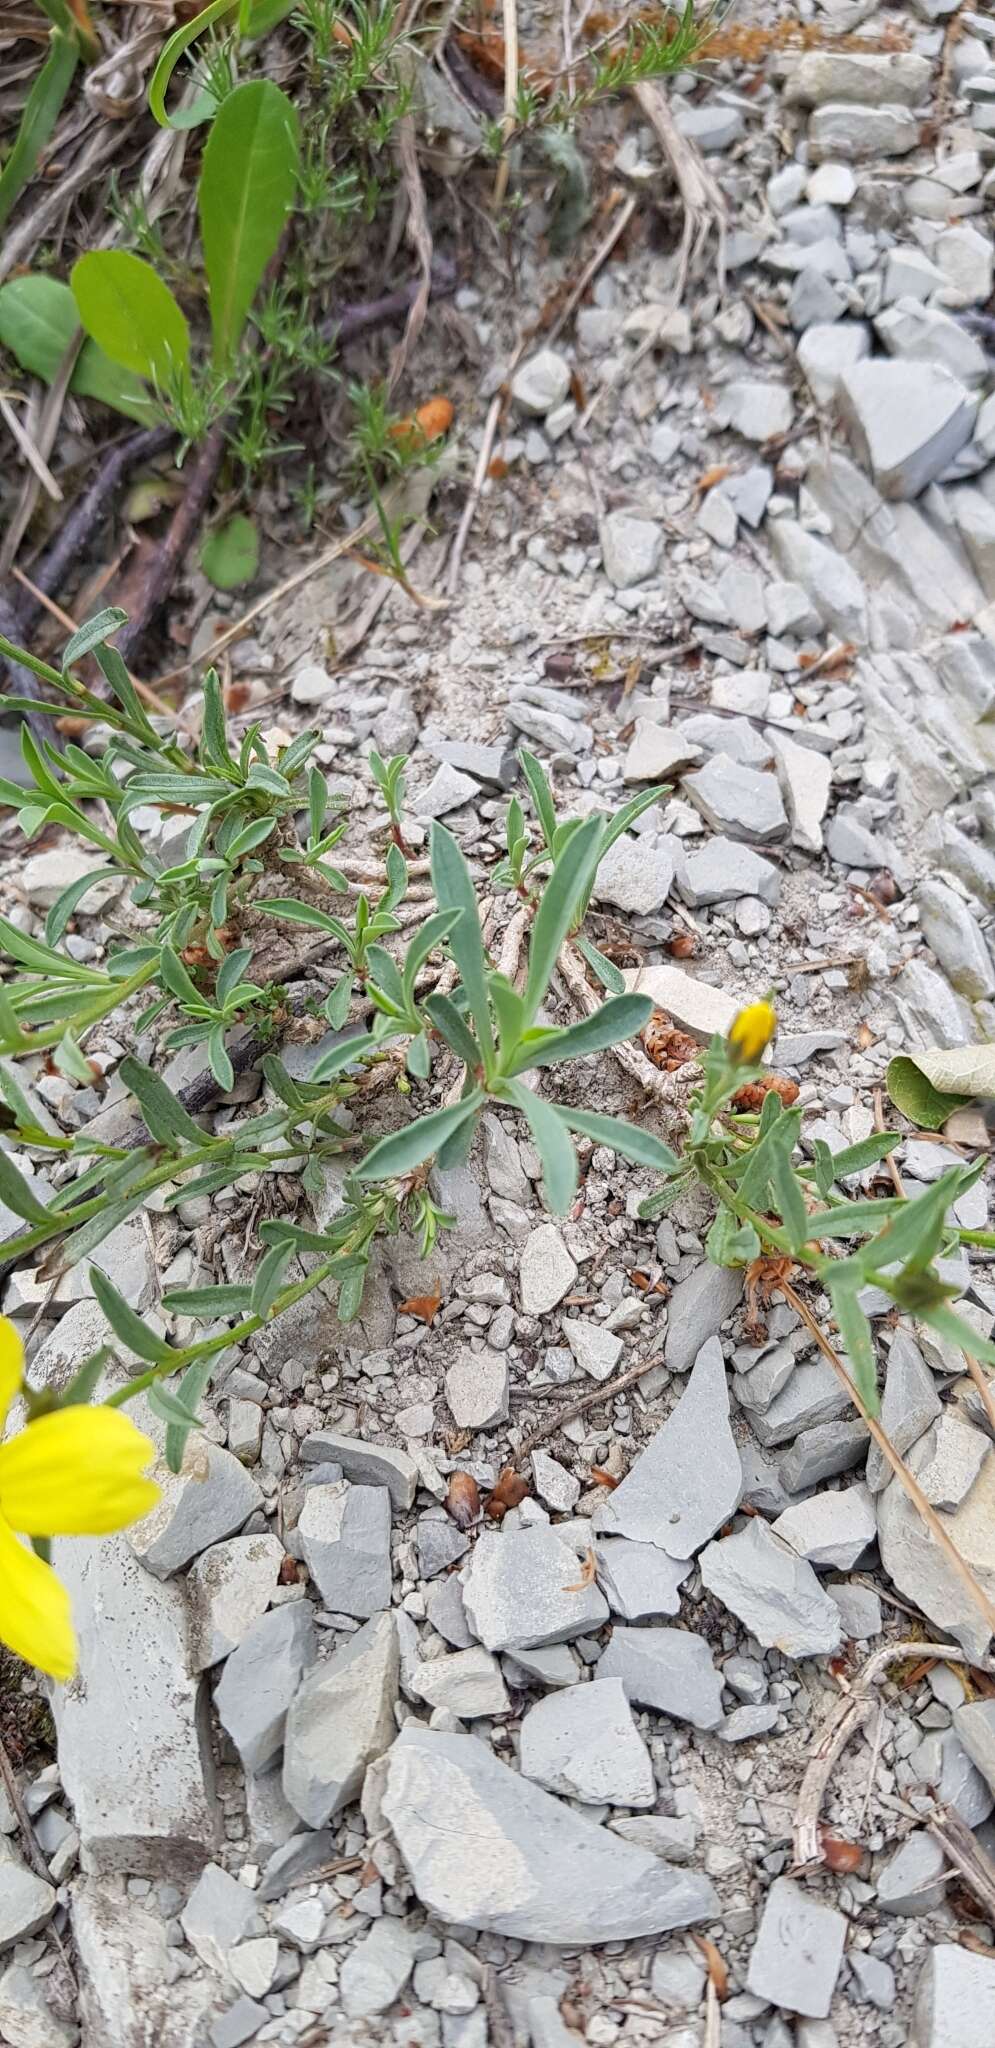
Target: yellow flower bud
(750,1031)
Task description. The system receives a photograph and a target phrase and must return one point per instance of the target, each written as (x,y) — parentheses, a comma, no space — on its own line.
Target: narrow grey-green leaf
(406,1149)
(566,884)
(620,1017)
(634,1144)
(553,1144)
(125,1323)
(454,890)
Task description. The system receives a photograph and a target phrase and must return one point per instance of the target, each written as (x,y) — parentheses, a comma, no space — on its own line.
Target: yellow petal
(11,1365)
(77,1472)
(35,1616)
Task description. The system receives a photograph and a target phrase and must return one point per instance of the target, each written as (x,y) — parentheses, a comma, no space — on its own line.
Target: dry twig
(605,1392)
(705,210)
(964,1851)
(665,1089)
(509,13)
(421,237)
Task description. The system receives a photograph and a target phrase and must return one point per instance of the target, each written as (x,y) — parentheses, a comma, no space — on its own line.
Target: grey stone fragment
(555,1666)
(271,1819)
(26,2018)
(909,1405)
(546,1271)
(674,1837)
(446,1612)
(745,1723)
(375,1972)
(133,1748)
(953,1454)
(596,1349)
(240,2023)
(477,1389)
(521,1590)
(927,334)
(447,790)
(697,1310)
(127,1998)
(26,1901)
(635,875)
(918,1567)
(669,1669)
(260,1680)
(724,870)
(345,1537)
(757,410)
(678,1980)
(911,1880)
(630,549)
(541,383)
(689,1479)
(296,1861)
(956,939)
(439,1542)
(798,1951)
(340,1720)
(830,1529)
(907,420)
(823,1452)
(696,1007)
(895,78)
(851,842)
(813,1395)
(209,1499)
(468,1684)
(742,802)
(230,1586)
(657,752)
(826,350)
(833,585)
(367,1464)
(955,1998)
(855,133)
(806,779)
(219,1913)
(584,1744)
(860,1609)
(772,1591)
(637,1579)
(547,1875)
(874,1979)
(974,1725)
(495,765)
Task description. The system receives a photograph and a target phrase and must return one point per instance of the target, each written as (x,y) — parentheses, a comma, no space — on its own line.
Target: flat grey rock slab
(208,1500)
(123,1969)
(596,1349)
(830,1529)
(546,1271)
(772,1591)
(340,1720)
(635,876)
(133,1747)
(689,1479)
(260,1679)
(909,1404)
(955,1999)
(670,1669)
(522,1590)
(584,1743)
(798,1951)
(345,1537)
(911,1881)
(637,1579)
(26,1901)
(744,803)
(486,1849)
(974,1725)
(219,1913)
(375,1972)
(230,1587)
(697,1310)
(918,1568)
(477,1389)
(367,1464)
(907,420)
(468,1684)
(26,2018)
(724,870)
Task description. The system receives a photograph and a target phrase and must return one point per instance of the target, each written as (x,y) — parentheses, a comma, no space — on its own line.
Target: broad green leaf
(570,877)
(509,1010)
(64,905)
(125,1323)
(541,794)
(299,913)
(730,1242)
(230,555)
(418,1141)
(16,1194)
(608,974)
(192,1389)
(455,1150)
(246,191)
(419,1057)
(174,976)
(790,1200)
(350,1296)
(207,1301)
(218,1059)
(858,1343)
(853,1219)
(340,1056)
(92,634)
(337,1005)
(914,1234)
(857,1158)
(620,1017)
(169,1408)
(39,116)
(457,1034)
(663,1201)
(553,1144)
(131,314)
(268,1276)
(920,1099)
(777,1142)
(168,1121)
(454,890)
(634,1144)
(38,319)
(112,667)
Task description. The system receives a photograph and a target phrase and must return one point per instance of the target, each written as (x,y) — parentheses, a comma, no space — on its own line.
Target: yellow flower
(74,1472)
(750,1031)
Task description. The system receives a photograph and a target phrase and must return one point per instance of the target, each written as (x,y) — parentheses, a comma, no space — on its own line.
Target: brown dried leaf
(603,1478)
(463,1499)
(683,946)
(839,1854)
(509,1491)
(710,477)
(751,1097)
(718,1974)
(424,1307)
